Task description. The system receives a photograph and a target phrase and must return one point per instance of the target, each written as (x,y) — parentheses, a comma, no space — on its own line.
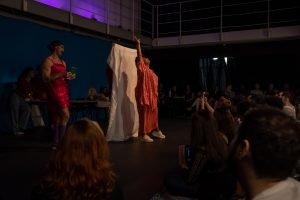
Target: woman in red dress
(146,93)
(56,77)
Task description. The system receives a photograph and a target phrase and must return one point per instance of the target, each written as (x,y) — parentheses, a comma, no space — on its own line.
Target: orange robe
(146,94)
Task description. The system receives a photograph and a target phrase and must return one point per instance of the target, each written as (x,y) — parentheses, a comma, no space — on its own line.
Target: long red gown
(146,94)
(58,90)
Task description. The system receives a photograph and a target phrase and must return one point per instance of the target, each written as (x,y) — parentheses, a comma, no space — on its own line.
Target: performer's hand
(69,76)
(137,39)
(73,76)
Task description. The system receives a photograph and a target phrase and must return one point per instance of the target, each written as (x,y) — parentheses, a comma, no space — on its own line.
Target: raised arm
(138,47)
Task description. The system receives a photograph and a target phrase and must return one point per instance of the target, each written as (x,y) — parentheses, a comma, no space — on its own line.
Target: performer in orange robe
(146,97)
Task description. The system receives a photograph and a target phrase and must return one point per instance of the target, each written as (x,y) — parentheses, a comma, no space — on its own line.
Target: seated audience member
(288,107)
(229,91)
(103,94)
(221,100)
(271,90)
(189,96)
(103,99)
(40,88)
(39,112)
(92,94)
(256,91)
(265,153)
(201,103)
(20,109)
(162,100)
(225,122)
(273,101)
(80,169)
(204,165)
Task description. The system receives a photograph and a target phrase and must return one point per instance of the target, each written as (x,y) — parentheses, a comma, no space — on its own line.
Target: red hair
(81,163)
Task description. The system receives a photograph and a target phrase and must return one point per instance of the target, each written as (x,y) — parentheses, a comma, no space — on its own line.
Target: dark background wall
(272,61)
(24,44)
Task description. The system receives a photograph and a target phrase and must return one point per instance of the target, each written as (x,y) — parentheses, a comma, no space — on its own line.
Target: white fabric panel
(123,119)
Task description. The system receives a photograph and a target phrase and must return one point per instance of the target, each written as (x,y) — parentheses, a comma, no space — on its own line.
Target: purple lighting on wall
(61,4)
(79,7)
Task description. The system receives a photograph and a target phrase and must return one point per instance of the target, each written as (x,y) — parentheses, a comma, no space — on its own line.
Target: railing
(125,14)
(186,17)
(197,17)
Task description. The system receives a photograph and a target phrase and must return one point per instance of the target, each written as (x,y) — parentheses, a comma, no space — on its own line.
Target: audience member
(103,94)
(256,90)
(162,100)
(103,100)
(80,169)
(204,165)
(200,103)
(189,96)
(273,101)
(229,92)
(226,122)
(92,94)
(288,107)
(271,90)
(265,153)
(20,109)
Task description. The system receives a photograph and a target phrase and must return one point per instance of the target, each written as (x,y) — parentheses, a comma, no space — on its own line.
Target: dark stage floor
(140,166)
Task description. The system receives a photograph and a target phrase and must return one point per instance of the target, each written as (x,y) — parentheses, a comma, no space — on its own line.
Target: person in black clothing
(80,169)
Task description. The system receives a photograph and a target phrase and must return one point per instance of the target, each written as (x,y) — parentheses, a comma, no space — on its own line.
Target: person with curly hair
(80,169)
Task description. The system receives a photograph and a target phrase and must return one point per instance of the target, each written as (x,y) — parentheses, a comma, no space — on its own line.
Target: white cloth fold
(123,119)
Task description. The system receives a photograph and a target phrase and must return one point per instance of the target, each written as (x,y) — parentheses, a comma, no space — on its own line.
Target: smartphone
(188,154)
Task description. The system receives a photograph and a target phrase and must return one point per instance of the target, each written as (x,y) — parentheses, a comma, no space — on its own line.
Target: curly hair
(54,44)
(80,169)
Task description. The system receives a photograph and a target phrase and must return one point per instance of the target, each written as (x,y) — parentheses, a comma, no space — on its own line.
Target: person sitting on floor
(205,172)
(80,169)
(265,153)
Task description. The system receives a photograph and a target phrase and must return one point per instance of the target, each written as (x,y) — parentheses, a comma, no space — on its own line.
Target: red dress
(146,94)
(58,90)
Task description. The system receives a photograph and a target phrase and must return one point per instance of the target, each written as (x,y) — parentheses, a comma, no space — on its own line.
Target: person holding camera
(204,169)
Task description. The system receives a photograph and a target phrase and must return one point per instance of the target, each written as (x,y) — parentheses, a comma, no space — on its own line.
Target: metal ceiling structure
(165,23)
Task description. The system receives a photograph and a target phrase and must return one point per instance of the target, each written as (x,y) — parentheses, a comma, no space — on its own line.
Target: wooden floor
(140,167)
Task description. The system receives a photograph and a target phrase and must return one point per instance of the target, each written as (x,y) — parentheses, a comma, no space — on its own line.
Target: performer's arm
(138,47)
(46,72)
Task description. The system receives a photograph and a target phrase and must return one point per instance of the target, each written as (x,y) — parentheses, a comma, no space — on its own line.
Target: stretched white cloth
(123,119)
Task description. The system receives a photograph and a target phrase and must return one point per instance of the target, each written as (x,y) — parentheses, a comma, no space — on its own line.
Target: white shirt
(288,189)
(290,111)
